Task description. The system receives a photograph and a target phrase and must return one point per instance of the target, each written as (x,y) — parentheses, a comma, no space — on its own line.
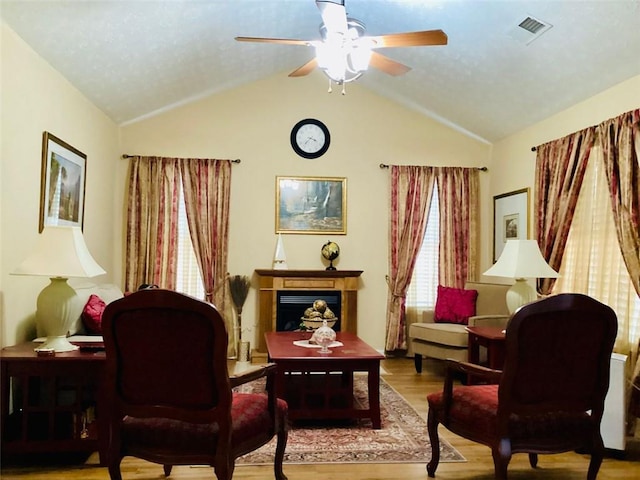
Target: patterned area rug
(403,437)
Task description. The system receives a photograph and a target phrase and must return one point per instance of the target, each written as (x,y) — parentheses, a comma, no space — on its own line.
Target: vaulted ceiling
(134,58)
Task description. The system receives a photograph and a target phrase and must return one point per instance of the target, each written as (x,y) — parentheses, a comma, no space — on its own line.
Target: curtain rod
(126,155)
(482,169)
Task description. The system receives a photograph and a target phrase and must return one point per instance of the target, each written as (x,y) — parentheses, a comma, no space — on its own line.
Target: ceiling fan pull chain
(344,88)
(330,89)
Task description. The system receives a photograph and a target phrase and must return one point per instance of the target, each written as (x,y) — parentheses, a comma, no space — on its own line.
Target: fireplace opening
(291,305)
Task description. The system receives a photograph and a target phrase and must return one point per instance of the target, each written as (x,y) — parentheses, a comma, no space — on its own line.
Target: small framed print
(62,183)
(510,219)
(311,205)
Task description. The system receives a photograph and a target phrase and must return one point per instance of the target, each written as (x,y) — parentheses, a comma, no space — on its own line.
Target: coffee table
(320,386)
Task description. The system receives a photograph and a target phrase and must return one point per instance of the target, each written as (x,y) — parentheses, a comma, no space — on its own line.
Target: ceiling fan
(344,52)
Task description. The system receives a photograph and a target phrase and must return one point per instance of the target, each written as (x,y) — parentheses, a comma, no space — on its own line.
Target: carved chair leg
(501,458)
(281,444)
(432,428)
(114,470)
(417,360)
(597,454)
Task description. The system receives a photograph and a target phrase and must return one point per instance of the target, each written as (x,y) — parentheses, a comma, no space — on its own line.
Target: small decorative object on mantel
(330,251)
(279,258)
(316,315)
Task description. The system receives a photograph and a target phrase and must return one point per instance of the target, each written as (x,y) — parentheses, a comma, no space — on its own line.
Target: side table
(493,339)
(55,401)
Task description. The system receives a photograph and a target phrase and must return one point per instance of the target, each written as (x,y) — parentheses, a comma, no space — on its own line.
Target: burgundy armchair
(549,397)
(168,392)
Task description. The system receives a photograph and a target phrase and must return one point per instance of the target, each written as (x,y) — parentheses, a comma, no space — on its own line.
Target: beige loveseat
(450,340)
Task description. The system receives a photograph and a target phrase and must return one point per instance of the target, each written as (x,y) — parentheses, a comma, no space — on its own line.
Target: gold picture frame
(510,219)
(62,183)
(313,205)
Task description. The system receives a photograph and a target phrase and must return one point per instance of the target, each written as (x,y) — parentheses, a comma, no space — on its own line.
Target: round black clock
(310,138)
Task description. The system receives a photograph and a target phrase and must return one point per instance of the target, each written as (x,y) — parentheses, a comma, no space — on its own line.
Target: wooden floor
(414,387)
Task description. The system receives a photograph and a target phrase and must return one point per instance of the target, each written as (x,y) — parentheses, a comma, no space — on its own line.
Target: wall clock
(310,138)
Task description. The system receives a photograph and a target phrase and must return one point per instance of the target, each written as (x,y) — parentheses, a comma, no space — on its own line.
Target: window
(424,282)
(592,263)
(189,279)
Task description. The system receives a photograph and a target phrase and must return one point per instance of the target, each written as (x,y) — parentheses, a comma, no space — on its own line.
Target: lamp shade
(521,259)
(60,252)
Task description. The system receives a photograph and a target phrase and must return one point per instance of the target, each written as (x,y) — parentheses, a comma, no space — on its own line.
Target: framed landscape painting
(62,183)
(510,219)
(312,205)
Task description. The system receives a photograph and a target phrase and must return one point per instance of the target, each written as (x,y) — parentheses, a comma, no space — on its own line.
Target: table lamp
(60,253)
(521,259)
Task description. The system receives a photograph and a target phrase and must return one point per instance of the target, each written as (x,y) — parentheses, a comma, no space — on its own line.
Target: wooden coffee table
(320,386)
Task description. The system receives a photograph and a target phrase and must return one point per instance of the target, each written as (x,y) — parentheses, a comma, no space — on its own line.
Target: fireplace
(276,288)
(291,305)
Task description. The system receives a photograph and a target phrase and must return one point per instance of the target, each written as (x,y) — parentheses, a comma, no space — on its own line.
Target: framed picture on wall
(62,183)
(311,205)
(510,219)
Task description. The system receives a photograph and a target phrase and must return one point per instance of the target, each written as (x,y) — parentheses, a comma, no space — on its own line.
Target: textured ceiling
(134,58)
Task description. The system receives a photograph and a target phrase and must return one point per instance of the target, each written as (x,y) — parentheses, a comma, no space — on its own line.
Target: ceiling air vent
(529,29)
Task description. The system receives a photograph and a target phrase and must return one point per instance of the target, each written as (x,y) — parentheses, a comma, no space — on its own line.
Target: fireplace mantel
(272,281)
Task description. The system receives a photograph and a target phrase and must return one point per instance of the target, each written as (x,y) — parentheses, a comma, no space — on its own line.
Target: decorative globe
(330,251)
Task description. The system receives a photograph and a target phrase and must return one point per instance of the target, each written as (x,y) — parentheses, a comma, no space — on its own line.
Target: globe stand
(330,267)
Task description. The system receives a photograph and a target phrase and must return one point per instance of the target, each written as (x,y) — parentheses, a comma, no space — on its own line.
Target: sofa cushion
(455,305)
(451,334)
(92,314)
(84,289)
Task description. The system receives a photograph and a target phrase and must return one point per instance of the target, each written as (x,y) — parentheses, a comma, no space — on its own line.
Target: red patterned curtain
(152,222)
(560,168)
(620,140)
(458,200)
(411,190)
(207,192)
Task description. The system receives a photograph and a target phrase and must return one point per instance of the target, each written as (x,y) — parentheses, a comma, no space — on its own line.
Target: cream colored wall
(515,161)
(36,98)
(253,123)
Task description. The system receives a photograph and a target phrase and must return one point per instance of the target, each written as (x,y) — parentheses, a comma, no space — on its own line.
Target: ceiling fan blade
(305,69)
(334,15)
(387,65)
(284,41)
(411,39)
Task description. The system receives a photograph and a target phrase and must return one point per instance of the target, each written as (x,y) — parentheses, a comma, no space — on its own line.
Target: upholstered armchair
(168,392)
(549,398)
(446,339)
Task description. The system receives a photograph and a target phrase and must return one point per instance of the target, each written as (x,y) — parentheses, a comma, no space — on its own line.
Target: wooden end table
(320,386)
(55,402)
(493,339)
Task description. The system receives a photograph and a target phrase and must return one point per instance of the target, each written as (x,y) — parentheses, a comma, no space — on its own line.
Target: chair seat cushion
(451,334)
(475,409)
(251,424)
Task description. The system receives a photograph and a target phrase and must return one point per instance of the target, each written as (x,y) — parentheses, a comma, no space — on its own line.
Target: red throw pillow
(455,305)
(92,314)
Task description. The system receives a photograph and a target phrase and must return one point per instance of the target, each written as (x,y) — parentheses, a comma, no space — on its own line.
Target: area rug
(403,437)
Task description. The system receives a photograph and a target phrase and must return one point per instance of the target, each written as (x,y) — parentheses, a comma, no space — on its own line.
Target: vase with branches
(239,286)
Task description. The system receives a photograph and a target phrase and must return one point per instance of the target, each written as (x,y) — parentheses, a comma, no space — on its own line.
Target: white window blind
(424,282)
(189,279)
(592,263)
